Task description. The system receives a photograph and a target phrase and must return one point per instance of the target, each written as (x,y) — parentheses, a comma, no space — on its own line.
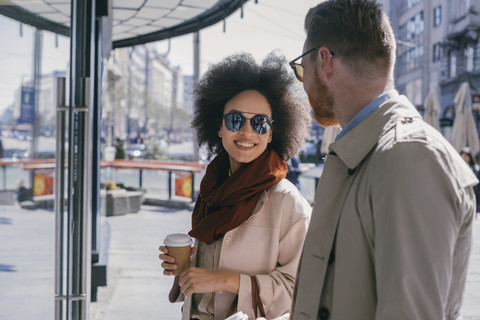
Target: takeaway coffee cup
(179,247)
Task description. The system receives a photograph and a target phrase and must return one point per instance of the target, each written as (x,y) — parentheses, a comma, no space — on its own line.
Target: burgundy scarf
(226,202)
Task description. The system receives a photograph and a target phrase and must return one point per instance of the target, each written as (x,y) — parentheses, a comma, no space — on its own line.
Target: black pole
(78,266)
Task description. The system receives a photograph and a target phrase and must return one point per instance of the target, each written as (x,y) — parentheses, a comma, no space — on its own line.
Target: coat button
(220,291)
(323,313)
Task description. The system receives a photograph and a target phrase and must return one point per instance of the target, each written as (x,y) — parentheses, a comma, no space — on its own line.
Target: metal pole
(79,163)
(101,51)
(37,72)
(60,227)
(97,119)
(196,76)
(4,168)
(170,185)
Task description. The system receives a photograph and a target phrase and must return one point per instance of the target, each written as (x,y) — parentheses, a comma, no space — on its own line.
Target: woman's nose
(247,127)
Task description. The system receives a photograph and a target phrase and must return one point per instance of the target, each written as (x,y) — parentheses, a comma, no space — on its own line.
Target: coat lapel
(323,226)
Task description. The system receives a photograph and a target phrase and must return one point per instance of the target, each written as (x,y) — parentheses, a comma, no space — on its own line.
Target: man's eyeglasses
(259,122)
(298,68)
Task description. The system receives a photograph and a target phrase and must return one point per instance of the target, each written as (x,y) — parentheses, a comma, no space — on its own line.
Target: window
(437,16)
(411,3)
(415,26)
(437,52)
(453,65)
(469,59)
(419,22)
(410,59)
(464,6)
(402,31)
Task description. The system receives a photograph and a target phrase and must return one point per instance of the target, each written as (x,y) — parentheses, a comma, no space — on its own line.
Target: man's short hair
(357,31)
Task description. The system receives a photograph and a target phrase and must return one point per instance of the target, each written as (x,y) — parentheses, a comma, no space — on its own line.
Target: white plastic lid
(177,240)
(238,316)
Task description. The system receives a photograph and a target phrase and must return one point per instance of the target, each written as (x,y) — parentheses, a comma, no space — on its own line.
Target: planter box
(8,197)
(121,202)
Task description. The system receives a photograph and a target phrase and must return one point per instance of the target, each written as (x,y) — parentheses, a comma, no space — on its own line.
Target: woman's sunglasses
(259,122)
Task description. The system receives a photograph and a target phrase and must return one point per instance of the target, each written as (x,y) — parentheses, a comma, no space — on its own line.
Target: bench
(118,202)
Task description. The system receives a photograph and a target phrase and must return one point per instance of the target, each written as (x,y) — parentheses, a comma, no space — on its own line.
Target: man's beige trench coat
(390,233)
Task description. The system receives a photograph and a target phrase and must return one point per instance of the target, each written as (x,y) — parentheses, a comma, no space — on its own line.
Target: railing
(162,181)
(5,183)
(171,167)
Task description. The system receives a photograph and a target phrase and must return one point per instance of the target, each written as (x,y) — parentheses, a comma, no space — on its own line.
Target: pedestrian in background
(249,222)
(23,194)
(467,155)
(294,171)
(391,227)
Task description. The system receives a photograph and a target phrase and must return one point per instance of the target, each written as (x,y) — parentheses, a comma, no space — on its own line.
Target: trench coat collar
(357,144)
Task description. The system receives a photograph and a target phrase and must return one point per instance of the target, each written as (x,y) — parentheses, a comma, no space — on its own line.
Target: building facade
(141,92)
(437,47)
(46,112)
(188,101)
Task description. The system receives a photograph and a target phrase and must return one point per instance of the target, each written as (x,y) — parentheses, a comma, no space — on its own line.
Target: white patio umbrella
(464,129)
(329,135)
(432,109)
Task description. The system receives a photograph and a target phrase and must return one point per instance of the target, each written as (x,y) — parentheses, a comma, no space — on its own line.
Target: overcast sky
(266,26)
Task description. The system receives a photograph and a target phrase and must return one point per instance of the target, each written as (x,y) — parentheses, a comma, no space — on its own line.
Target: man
(390,233)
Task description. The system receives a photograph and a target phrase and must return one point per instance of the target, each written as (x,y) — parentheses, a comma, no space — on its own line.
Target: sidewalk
(136,287)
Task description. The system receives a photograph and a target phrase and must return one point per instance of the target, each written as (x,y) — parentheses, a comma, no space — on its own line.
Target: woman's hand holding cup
(176,253)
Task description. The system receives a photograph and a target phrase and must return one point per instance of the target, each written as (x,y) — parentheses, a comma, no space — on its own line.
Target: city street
(136,287)
(121,78)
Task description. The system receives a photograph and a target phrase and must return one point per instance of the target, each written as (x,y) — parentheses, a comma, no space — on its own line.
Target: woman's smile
(245,144)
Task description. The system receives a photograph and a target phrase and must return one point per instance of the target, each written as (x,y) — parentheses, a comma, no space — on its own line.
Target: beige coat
(267,245)
(390,233)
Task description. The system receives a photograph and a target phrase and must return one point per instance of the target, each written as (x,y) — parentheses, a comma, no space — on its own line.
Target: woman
(249,222)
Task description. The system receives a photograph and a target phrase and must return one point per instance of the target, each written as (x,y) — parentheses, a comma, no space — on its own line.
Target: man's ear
(326,62)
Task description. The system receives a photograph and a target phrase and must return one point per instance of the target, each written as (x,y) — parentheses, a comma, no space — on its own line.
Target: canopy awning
(134,22)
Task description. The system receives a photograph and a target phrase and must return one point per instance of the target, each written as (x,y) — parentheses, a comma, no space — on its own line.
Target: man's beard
(321,101)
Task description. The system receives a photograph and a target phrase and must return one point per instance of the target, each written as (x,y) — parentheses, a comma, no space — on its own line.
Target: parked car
(16,154)
(135,151)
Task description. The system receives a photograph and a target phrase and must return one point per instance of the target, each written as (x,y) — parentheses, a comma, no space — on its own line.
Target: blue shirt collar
(366,111)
